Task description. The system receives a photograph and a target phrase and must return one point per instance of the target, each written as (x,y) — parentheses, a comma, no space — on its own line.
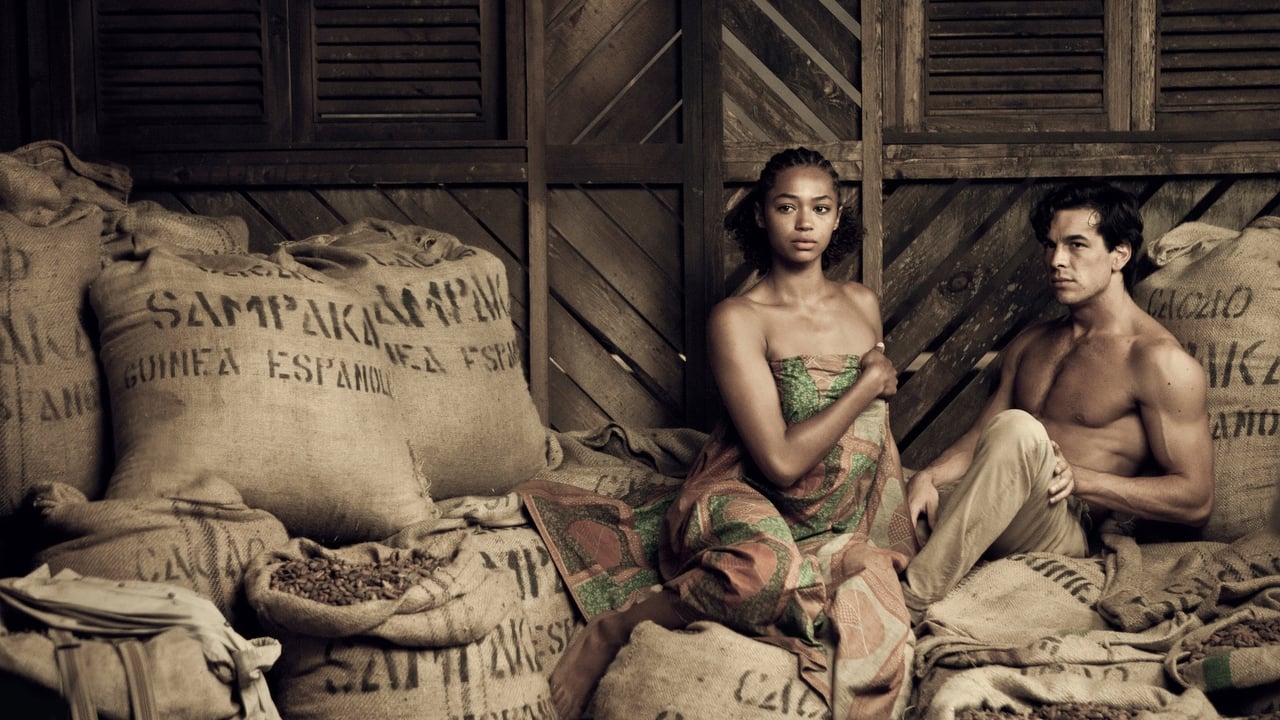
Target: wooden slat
(647,110)
(502,212)
(1010,8)
(616,391)
(571,408)
(574,33)
(353,204)
(799,72)
(909,209)
(298,214)
(952,229)
(956,284)
(1242,201)
(1010,300)
(1220,22)
(574,102)
(872,149)
(594,301)
(646,219)
(1074,158)
(616,257)
(767,111)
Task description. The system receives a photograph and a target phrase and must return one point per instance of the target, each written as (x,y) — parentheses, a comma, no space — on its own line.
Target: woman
(803,456)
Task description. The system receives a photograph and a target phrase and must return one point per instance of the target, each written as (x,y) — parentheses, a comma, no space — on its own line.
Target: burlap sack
(543,598)
(1218,291)
(704,672)
(496,676)
(202,539)
(443,311)
(1007,689)
(52,420)
(268,374)
(457,601)
(60,219)
(145,224)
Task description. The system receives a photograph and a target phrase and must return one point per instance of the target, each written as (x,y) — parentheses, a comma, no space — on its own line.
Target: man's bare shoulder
(1034,337)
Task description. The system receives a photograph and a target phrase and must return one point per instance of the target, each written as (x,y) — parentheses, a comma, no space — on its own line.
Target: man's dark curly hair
(754,241)
(1120,221)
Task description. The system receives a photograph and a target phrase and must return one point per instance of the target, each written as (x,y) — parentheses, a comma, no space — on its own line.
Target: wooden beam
(703,208)
(1120,66)
(872,147)
(1146,70)
(1022,160)
(539,287)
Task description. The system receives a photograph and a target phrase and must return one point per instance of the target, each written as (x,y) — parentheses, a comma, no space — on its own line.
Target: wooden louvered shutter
(288,74)
(1014,65)
(400,69)
(178,74)
(1218,62)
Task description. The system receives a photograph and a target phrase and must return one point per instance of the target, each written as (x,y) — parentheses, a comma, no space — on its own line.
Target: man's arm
(1171,391)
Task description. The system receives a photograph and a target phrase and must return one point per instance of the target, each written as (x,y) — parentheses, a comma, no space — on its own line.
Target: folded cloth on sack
(72,603)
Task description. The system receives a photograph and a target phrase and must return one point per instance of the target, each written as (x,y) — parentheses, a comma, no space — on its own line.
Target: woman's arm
(737,351)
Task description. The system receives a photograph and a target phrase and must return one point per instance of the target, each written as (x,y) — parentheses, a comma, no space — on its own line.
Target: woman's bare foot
(584,662)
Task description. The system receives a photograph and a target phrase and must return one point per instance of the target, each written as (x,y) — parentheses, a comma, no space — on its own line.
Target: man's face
(1080,266)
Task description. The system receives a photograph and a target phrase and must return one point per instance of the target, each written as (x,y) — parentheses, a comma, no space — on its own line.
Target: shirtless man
(1099,411)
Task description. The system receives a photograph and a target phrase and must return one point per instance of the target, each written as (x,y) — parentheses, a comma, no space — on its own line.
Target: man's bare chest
(1082,387)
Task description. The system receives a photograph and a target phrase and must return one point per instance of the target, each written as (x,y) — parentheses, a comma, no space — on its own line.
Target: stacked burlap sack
(173,407)
(1218,291)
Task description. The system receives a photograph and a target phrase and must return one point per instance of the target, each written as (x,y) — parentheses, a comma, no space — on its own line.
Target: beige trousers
(1000,507)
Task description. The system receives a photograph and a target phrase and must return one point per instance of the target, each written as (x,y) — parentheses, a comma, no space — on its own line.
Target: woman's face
(799,214)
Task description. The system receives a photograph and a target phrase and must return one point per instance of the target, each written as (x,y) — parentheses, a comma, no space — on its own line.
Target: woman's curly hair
(741,224)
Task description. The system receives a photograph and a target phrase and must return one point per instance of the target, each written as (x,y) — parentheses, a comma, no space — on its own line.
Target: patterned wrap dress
(811,568)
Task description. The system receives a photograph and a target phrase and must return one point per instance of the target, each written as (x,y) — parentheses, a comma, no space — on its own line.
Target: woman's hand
(877,369)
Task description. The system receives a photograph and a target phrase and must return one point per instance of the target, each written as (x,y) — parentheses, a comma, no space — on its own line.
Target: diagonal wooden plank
(263,236)
(573,103)
(613,254)
(917,267)
(352,204)
(651,222)
(961,279)
(577,31)
(908,210)
(646,110)
(834,31)
(765,110)
(1169,206)
(297,214)
(1016,293)
(777,54)
(607,383)
(571,408)
(612,320)
(1242,201)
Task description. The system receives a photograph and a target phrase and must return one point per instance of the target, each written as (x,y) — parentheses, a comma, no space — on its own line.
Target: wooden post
(872,147)
(1146,71)
(703,199)
(536,188)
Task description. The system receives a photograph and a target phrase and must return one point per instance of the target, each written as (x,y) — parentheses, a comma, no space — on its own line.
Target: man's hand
(922,497)
(1064,482)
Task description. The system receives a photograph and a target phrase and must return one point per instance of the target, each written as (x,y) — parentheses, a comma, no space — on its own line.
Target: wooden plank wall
(954,258)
